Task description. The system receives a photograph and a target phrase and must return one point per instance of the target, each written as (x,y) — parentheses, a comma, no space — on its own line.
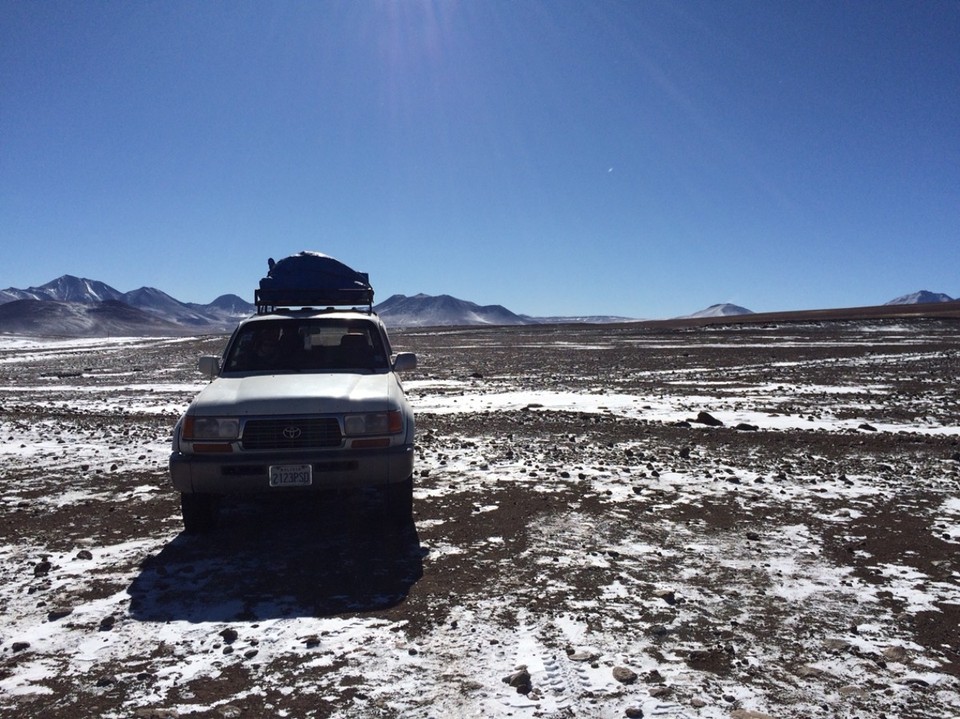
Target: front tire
(199,512)
(398,501)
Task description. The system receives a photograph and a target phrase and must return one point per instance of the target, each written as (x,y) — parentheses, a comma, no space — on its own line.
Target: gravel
(726,522)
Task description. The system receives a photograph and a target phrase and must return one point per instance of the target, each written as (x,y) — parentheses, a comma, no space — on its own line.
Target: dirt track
(795,558)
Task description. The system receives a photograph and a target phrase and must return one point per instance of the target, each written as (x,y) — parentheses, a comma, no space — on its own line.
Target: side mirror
(209,365)
(405,361)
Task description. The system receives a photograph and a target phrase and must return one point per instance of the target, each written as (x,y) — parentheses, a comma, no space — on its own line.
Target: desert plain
(744,521)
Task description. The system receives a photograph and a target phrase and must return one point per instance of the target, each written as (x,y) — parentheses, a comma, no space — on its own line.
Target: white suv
(301,400)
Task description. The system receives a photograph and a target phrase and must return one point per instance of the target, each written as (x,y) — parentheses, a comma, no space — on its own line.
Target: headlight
(205,428)
(373,423)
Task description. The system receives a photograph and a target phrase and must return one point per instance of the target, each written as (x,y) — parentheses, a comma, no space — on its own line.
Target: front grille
(291,433)
(261,470)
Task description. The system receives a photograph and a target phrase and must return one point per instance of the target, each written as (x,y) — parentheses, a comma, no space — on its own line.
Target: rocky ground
(754,521)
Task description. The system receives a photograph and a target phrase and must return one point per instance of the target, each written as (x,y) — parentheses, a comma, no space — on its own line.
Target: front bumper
(233,474)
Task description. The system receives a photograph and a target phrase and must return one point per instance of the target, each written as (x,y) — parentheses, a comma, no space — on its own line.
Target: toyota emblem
(292,432)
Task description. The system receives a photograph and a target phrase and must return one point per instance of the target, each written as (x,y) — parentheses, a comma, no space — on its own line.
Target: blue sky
(642,158)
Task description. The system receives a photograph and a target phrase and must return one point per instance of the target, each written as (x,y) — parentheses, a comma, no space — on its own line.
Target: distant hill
(925,311)
(722,310)
(156,311)
(163,305)
(920,298)
(580,320)
(80,319)
(75,306)
(443,310)
(228,309)
(64,289)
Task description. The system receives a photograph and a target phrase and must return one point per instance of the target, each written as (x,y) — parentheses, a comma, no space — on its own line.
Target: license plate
(291,475)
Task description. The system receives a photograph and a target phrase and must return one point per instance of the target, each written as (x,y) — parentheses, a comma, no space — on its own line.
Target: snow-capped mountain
(81,319)
(921,298)
(228,309)
(161,304)
(443,310)
(71,304)
(722,310)
(64,289)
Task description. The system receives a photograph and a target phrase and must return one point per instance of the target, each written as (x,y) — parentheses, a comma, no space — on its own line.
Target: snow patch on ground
(458,668)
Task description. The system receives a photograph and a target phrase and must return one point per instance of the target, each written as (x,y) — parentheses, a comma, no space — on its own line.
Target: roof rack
(312,279)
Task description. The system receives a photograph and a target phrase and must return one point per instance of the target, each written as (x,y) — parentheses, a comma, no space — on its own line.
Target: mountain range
(443,310)
(723,310)
(921,298)
(72,306)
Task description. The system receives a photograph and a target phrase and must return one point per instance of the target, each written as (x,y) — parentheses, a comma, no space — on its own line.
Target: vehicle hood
(307,393)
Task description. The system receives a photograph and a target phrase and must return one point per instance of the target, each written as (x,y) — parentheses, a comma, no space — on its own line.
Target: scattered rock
(84,554)
(633,713)
(808,672)
(867,427)
(711,659)
(624,675)
(107,623)
(229,635)
(653,677)
(42,568)
(747,714)
(20,647)
(519,680)
(667,595)
(896,654)
(57,614)
(708,419)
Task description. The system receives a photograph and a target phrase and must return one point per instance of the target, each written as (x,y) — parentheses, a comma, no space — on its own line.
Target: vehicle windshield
(309,344)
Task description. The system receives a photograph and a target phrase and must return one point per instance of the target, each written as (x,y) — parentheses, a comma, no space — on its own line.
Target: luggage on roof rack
(312,279)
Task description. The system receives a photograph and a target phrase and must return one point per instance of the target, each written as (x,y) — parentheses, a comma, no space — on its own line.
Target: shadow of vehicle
(276,557)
